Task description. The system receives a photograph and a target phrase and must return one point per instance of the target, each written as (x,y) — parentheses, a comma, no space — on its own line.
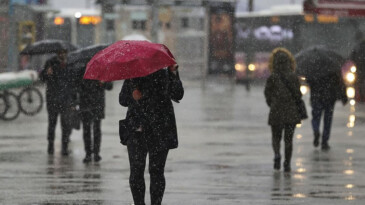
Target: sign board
(221,38)
(335,7)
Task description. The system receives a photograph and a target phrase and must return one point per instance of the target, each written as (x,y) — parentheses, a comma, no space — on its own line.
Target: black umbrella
(47,46)
(318,61)
(83,55)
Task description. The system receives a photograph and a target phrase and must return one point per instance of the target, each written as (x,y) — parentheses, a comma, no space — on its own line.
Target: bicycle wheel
(30,101)
(12,103)
(3,106)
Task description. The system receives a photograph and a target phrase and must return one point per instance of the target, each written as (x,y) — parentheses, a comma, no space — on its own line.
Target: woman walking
(282,90)
(152,128)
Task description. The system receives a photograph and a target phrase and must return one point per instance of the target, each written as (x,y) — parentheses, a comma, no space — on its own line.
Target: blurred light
(352,118)
(301,170)
(298,176)
(349,133)
(350,198)
(303,89)
(299,136)
(352,102)
(239,67)
(299,125)
(59,21)
(350,151)
(302,78)
(349,186)
(350,77)
(251,67)
(352,109)
(78,14)
(348,172)
(309,18)
(85,20)
(299,164)
(350,92)
(327,18)
(353,69)
(299,195)
(350,125)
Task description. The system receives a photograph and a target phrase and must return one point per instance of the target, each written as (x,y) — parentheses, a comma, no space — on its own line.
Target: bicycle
(30,100)
(9,106)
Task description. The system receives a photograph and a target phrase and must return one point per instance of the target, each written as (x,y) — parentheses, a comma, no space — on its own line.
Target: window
(139,24)
(184,22)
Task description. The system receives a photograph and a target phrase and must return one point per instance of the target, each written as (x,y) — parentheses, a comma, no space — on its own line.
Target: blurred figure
(358,57)
(282,90)
(152,125)
(324,93)
(92,106)
(60,97)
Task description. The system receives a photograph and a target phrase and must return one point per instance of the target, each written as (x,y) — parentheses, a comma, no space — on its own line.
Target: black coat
(92,98)
(328,89)
(60,89)
(154,111)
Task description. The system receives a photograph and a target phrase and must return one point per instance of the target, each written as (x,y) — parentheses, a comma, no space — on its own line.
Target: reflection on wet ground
(224,157)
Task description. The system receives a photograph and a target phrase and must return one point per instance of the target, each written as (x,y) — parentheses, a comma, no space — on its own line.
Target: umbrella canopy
(128,59)
(318,61)
(83,55)
(47,46)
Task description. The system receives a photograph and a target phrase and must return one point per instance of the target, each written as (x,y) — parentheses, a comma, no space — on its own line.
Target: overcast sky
(242,5)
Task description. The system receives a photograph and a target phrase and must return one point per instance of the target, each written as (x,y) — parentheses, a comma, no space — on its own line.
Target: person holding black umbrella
(321,67)
(60,96)
(152,128)
(92,105)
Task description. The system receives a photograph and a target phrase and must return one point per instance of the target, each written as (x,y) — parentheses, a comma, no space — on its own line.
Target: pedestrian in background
(282,90)
(60,97)
(358,57)
(324,92)
(152,125)
(92,106)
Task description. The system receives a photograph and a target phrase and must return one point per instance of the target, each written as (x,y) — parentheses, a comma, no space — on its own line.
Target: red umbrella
(128,59)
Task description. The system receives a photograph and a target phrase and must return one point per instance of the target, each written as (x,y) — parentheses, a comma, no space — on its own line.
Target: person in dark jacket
(92,105)
(358,57)
(152,123)
(283,114)
(60,98)
(323,94)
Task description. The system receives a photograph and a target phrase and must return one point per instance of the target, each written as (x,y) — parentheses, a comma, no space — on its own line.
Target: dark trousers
(87,123)
(52,122)
(137,151)
(319,108)
(277,132)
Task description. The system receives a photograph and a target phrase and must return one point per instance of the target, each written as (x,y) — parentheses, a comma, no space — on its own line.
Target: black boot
(316,139)
(277,161)
(87,158)
(97,157)
(287,166)
(50,148)
(64,151)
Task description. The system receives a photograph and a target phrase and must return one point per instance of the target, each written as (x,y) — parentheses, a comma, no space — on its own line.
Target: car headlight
(252,67)
(350,77)
(239,67)
(303,89)
(350,92)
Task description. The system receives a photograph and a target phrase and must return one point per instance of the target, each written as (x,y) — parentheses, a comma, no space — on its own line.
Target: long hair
(280,56)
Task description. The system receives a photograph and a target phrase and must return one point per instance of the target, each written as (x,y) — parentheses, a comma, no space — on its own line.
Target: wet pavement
(224,157)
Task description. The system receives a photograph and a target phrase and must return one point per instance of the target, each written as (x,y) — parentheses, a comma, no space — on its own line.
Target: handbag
(123,131)
(299,102)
